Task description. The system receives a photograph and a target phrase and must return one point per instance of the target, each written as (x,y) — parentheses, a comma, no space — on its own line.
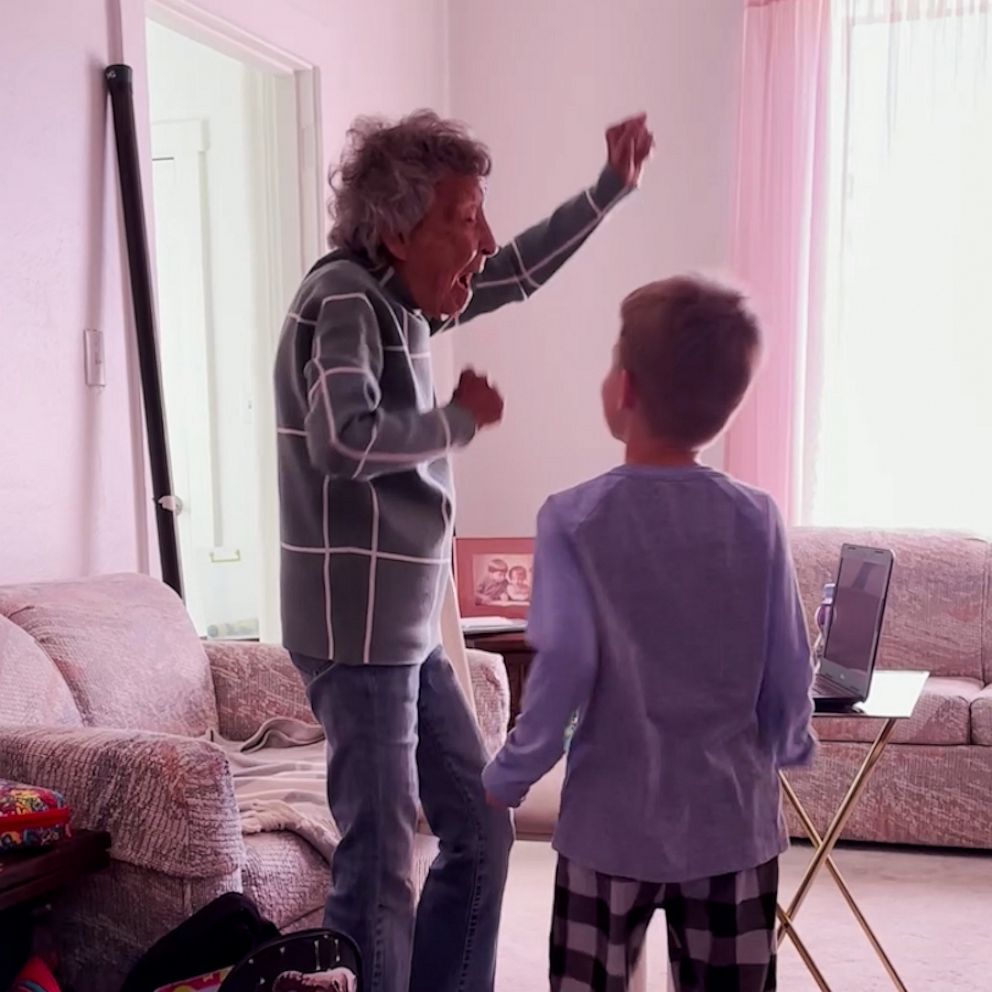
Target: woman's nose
(487,241)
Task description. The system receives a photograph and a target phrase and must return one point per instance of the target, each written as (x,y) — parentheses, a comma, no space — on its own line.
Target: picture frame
(494,576)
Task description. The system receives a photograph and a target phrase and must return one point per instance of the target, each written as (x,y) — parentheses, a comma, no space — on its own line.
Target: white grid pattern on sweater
(373,562)
(372,553)
(524,275)
(345,549)
(327,570)
(368,454)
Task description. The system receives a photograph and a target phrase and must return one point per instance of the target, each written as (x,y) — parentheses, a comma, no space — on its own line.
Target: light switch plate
(96,369)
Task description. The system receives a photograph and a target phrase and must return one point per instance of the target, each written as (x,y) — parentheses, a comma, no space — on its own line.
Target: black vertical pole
(119,84)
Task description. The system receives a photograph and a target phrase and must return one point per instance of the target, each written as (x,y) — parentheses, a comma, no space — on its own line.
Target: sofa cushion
(981,718)
(284,876)
(942,717)
(934,618)
(32,691)
(126,648)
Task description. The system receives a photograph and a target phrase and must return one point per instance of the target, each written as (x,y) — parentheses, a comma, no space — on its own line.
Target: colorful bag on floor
(36,976)
(31,817)
(209,982)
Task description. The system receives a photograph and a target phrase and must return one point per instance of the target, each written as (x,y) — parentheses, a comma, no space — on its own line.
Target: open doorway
(237,220)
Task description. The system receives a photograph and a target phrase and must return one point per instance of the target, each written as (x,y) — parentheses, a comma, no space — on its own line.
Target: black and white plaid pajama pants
(721,931)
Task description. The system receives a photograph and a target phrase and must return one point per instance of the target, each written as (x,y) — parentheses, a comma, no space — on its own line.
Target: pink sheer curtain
(779,237)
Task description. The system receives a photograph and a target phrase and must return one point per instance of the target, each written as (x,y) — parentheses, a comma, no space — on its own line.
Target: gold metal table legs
(823,849)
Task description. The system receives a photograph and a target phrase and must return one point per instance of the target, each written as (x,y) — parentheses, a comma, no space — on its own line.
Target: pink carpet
(932,912)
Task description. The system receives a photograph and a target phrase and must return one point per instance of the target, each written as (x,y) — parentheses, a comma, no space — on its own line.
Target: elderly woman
(366,506)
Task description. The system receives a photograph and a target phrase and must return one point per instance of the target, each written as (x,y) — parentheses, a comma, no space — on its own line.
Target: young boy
(492,588)
(518,587)
(665,611)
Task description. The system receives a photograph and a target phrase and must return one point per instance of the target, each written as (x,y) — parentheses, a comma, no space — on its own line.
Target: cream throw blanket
(280,781)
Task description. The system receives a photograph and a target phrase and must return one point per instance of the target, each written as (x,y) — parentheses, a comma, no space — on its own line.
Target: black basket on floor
(308,961)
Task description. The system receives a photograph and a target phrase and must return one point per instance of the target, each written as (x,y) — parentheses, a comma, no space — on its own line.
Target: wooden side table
(517,655)
(29,878)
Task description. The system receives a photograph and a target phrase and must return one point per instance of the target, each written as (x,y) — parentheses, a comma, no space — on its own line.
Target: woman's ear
(397,244)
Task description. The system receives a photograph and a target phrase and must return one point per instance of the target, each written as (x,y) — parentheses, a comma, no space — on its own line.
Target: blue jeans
(396,732)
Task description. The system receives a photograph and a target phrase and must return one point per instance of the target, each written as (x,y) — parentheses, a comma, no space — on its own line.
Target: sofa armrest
(491,689)
(254,682)
(167,802)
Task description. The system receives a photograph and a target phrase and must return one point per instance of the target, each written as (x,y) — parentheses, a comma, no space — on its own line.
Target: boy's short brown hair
(691,348)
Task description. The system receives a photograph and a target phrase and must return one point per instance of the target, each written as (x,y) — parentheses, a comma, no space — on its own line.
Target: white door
(183,344)
(230,249)
(190,356)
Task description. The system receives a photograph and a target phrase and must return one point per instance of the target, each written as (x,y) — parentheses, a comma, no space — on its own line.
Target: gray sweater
(365,483)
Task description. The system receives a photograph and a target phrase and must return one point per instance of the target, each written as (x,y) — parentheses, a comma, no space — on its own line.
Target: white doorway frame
(287,253)
(194,22)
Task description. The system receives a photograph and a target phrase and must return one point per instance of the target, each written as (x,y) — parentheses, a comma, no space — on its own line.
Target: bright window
(900,431)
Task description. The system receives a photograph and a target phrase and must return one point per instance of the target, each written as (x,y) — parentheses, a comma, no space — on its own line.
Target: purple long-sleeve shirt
(665,611)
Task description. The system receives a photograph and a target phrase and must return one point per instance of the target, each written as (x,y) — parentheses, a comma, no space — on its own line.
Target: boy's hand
(476,394)
(629,145)
(495,803)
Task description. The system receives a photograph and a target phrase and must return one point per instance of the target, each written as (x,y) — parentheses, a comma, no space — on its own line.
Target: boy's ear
(628,391)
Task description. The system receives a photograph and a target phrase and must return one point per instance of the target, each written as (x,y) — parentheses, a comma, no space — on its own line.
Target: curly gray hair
(384,183)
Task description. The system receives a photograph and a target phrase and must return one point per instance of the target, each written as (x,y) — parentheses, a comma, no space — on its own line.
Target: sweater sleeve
(785,705)
(523,266)
(348,433)
(563,633)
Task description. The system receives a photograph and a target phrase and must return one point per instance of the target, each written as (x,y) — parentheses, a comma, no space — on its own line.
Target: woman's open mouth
(468,274)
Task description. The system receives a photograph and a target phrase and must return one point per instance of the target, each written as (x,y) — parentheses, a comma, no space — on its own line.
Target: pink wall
(72,495)
(67,454)
(539,81)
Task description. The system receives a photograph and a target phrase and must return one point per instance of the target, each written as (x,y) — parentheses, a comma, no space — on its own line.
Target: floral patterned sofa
(105,694)
(933,785)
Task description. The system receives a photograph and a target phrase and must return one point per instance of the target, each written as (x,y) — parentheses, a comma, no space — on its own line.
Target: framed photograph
(495,576)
